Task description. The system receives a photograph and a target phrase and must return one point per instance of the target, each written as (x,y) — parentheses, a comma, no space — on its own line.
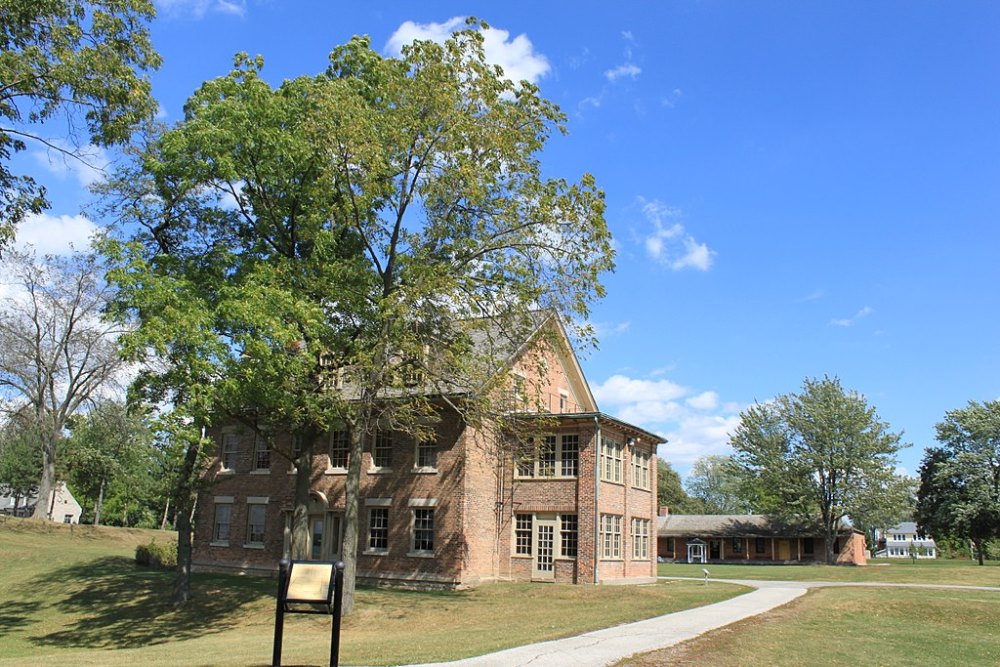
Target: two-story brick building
(462,508)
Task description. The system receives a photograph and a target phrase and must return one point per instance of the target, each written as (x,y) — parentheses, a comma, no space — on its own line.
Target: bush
(163,556)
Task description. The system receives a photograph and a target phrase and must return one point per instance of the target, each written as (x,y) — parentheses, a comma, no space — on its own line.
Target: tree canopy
(81,60)
(322,249)
(717,482)
(959,493)
(820,455)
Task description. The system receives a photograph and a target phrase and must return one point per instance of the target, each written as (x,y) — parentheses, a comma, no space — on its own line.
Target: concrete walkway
(607,646)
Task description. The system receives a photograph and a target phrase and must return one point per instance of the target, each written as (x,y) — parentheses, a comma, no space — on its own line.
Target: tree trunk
(300,513)
(352,517)
(47,484)
(166,513)
(185,508)
(978,546)
(100,501)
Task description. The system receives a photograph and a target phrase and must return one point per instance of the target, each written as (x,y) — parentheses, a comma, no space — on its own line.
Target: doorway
(543,565)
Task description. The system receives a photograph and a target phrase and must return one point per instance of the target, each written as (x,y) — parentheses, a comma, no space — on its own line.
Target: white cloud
(55,235)
(621,390)
(627,70)
(517,56)
(851,321)
(87,163)
(198,8)
(670,244)
(672,99)
(695,424)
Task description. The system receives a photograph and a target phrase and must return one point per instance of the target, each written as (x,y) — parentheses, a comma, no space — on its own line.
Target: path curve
(609,645)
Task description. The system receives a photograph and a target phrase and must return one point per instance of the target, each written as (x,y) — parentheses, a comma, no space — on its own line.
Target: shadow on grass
(17,615)
(117,604)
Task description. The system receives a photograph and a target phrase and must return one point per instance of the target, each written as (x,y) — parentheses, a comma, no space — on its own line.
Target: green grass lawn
(73,596)
(960,572)
(852,626)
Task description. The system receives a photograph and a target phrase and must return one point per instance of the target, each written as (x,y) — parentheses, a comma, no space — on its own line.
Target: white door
(544,548)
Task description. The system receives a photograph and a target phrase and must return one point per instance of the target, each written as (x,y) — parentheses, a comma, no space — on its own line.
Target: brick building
(460,509)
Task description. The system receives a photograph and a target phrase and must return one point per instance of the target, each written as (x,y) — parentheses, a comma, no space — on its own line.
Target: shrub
(163,556)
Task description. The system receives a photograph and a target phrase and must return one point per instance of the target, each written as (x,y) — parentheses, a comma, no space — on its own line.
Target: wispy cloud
(199,8)
(815,295)
(851,321)
(87,164)
(629,70)
(671,99)
(669,243)
(607,329)
(517,57)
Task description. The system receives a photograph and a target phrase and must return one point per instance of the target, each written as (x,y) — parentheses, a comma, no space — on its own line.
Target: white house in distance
(63,506)
(899,539)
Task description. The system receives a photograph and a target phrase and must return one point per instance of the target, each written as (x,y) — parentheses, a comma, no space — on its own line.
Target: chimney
(664,510)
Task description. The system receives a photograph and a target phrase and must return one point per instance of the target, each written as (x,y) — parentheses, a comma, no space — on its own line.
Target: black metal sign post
(309,587)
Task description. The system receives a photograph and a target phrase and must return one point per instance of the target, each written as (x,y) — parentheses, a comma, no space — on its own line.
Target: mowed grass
(940,571)
(73,596)
(852,626)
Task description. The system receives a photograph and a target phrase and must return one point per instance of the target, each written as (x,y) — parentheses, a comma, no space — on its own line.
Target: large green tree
(20,459)
(328,251)
(670,491)
(820,455)
(959,493)
(81,61)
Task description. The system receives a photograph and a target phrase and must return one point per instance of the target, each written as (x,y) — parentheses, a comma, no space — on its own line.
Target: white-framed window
(256,521)
(425,457)
(640,539)
(422,541)
(230,452)
(223,520)
(551,456)
(640,469)
(382,450)
(611,536)
(378,525)
(568,535)
(563,400)
(261,455)
(522,534)
(339,450)
(611,460)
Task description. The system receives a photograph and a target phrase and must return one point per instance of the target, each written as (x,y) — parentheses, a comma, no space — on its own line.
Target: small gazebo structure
(696,551)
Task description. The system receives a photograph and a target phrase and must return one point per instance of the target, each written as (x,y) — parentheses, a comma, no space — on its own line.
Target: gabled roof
(735,525)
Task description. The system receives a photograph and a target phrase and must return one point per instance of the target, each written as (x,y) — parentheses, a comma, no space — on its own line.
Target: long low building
(751,538)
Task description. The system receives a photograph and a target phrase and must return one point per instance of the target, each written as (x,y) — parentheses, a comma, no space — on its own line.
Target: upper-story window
(426,455)
(230,451)
(261,454)
(382,450)
(340,442)
(611,460)
(640,469)
(550,456)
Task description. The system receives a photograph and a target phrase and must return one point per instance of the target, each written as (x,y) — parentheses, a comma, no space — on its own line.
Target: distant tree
(76,60)
(57,352)
(820,454)
(959,493)
(718,482)
(20,459)
(670,491)
(107,447)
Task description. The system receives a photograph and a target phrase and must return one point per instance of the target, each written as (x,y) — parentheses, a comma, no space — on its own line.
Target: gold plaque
(310,582)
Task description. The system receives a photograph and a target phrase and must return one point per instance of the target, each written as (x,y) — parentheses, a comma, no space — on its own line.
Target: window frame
(561,454)
(611,537)
(377,507)
(227,502)
(640,538)
(569,536)
(524,530)
(612,455)
(335,436)
(420,448)
(380,448)
(254,504)
(422,521)
(225,452)
(261,453)
(640,469)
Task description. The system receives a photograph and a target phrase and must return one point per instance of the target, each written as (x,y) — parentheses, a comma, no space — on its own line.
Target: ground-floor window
(256,522)
(808,546)
(222,523)
(611,536)
(568,535)
(640,539)
(737,545)
(526,541)
(423,530)
(522,534)
(378,529)
(760,545)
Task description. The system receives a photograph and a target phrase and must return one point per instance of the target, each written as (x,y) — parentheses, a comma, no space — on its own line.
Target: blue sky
(796,189)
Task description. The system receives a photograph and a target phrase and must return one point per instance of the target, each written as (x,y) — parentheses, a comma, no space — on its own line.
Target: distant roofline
(601,417)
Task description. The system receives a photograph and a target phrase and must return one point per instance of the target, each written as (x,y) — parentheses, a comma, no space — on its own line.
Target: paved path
(607,646)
